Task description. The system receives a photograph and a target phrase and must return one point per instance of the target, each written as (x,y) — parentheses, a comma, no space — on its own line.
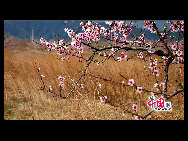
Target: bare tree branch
(83,73)
(174,93)
(166,74)
(157,52)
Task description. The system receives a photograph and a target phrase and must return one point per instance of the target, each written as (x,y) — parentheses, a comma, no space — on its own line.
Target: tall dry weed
(24,100)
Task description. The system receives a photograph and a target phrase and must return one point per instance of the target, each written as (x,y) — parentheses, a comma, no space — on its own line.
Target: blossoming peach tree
(117,33)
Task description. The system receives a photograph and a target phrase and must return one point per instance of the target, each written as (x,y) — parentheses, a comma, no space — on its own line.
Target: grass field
(24,101)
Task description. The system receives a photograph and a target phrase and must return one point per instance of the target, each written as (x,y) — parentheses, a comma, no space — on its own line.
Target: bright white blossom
(99,85)
(50,88)
(155,85)
(89,22)
(42,75)
(108,22)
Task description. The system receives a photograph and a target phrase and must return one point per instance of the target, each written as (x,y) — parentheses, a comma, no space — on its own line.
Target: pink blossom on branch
(135,106)
(146,24)
(162,84)
(137,117)
(100,54)
(61,78)
(42,40)
(61,84)
(62,58)
(179,52)
(123,56)
(140,55)
(68,58)
(173,47)
(119,59)
(131,82)
(156,72)
(151,66)
(103,99)
(139,90)
(98,63)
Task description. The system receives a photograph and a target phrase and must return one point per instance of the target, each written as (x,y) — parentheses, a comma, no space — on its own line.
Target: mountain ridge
(22,29)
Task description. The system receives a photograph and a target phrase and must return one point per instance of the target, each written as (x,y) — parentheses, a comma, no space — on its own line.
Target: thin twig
(83,73)
(157,52)
(145,64)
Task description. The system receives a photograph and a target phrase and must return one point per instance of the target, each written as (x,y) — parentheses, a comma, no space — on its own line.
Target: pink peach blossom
(135,106)
(139,89)
(131,82)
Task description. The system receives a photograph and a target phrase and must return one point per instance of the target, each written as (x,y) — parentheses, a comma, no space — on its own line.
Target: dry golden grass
(23,100)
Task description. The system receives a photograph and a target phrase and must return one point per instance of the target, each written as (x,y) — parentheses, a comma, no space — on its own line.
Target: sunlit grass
(23,100)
